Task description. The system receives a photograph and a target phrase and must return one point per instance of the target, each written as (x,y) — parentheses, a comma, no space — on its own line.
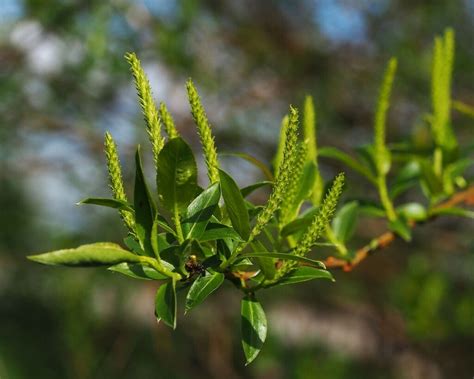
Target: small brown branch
(385,239)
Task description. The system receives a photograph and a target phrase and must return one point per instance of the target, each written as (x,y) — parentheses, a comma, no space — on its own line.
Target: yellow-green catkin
(115,179)
(150,113)
(322,219)
(284,174)
(383,104)
(315,230)
(289,207)
(204,131)
(442,66)
(167,121)
(281,146)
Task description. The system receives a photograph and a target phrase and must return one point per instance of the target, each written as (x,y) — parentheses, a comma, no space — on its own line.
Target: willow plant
(189,238)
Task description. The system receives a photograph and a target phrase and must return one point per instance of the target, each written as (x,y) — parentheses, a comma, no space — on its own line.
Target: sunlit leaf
(253,327)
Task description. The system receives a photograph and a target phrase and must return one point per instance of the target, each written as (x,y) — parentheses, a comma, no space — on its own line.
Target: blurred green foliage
(64,81)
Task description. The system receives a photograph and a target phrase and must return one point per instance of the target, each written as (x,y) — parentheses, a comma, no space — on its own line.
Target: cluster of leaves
(191,238)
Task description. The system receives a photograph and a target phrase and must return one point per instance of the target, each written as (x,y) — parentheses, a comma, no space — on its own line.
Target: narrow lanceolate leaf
(204,131)
(253,327)
(137,271)
(145,208)
(283,257)
(254,161)
(334,153)
(235,205)
(202,288)
(216,231)
(382,157)
(115,179)
(165,304)
(303,274)
(453,211)
(199,212)
(167,121)
(401,228)
(177,175)
(246,191)
(110,203)
(95,254)
(150,113)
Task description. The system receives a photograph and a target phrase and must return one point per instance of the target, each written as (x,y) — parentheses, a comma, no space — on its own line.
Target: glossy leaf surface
(105,202)
(200,211)
(95,254)
(253,327)
(235,205)
(177,175)
(165,304)
(145,208)
(202,288)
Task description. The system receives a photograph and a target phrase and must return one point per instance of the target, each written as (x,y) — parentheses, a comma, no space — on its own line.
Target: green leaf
(413,211)
(235,205)
(407,177)
(452,211)
(164,225)
(253,327)
(256,162)
(144,207)
(266,264)
(217,231)
(283,256)
(95,254)
(133,245)
(200,211)
(138,271)
(299,224)
(165,304)
(401,228)
(176,175)
(332,152)
(154,239)
(253,187)
(110,203)
(345,221)
(177,256)
(305,273)
(431,184)
(368,208)
(202,288)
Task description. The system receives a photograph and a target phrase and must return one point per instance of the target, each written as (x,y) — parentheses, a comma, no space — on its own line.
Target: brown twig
(463,197)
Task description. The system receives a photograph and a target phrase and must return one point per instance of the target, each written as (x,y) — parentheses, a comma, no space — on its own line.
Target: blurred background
(407,312)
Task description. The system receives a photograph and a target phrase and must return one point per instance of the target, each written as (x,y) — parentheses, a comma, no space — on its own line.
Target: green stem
(152,262)
(385,198)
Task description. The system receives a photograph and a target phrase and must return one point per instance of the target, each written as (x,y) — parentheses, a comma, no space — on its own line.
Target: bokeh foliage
(53,116)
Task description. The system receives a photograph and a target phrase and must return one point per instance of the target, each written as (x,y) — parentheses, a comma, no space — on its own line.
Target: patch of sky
(10,11)
(341,21)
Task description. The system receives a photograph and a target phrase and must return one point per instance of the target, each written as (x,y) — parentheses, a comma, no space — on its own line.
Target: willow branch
(464,197)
